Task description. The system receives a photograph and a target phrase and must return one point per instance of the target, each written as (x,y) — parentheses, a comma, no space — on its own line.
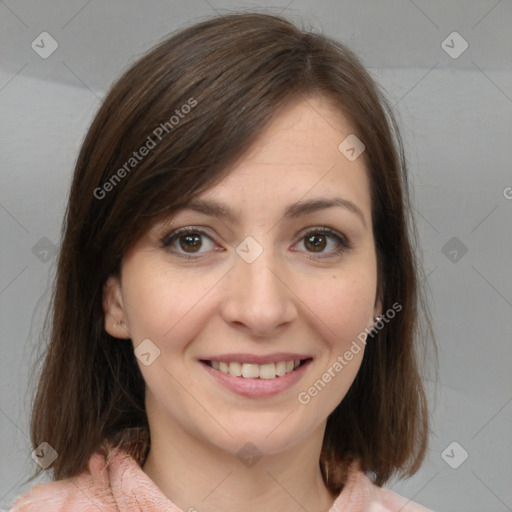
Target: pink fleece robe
(117,483)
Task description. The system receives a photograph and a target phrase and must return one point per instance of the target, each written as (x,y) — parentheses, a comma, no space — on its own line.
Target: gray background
(456,119)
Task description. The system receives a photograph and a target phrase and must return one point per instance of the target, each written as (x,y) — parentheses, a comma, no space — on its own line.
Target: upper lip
(257,359)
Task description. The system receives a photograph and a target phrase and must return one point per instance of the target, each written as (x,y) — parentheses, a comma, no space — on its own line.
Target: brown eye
(188,241)
(315,243)
(191,242)
(325,242)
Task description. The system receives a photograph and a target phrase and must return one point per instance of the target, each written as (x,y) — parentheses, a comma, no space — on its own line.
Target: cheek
(161,304)
(343,307)
(342,304)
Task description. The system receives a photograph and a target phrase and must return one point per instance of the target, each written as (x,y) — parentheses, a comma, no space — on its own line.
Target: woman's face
(278,265)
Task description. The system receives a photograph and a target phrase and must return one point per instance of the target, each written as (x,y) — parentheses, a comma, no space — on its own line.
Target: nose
(258,298)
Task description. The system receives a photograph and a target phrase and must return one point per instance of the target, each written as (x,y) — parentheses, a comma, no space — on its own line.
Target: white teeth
(235,369)
(253,371)
(281,368)
(250,371)
(268,371)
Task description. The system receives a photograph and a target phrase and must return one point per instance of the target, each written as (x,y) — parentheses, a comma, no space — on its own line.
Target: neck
(197,476)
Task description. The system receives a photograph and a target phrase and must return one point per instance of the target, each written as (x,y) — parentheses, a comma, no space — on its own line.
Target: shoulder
(360,494)
(88,490)
(386,500)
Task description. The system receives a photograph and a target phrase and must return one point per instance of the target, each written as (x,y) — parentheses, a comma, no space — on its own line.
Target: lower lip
(257,388)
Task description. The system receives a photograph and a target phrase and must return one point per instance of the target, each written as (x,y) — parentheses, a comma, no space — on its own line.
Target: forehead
(297,157)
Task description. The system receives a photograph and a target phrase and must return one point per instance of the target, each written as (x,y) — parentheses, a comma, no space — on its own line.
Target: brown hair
(234,72)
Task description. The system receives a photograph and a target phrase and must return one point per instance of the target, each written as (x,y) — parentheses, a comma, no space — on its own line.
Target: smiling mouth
(266,371)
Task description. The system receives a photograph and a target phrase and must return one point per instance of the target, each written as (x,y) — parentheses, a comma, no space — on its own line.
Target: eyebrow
(295,210)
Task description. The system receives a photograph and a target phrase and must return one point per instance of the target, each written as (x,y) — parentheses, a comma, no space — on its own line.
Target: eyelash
(344,244)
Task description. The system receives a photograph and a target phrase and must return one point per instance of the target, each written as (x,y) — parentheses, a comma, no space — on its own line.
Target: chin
(265,433)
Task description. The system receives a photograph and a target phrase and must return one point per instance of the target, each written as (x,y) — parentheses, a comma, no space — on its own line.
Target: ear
(115,321)
(377,309)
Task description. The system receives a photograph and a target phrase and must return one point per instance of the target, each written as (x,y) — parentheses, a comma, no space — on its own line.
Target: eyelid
(343,241)
(167,239)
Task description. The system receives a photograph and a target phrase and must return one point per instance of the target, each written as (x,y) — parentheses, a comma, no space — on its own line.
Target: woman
(235,314)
